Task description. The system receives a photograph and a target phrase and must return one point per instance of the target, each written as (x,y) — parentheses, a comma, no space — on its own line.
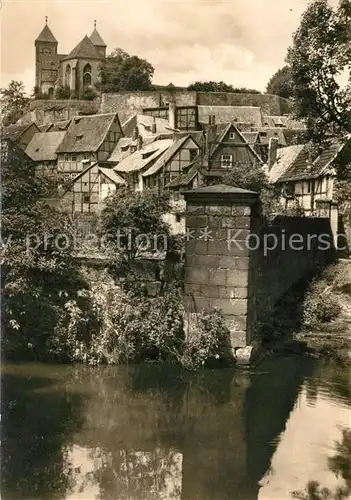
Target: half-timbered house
(89,139)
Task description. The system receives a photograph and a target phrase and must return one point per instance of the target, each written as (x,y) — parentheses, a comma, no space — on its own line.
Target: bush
(126,328)
(88,94)
(320,305)
(62,92)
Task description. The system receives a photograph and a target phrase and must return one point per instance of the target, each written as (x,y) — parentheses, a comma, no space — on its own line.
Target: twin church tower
(78,70)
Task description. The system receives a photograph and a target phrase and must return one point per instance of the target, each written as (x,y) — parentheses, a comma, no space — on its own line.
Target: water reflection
(152,432)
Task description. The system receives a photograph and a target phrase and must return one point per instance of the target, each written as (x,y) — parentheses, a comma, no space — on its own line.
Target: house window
(178,218)
(232,135)
(66,157)
(74,157)
(263,134)
(86,156)
(289,190)
(308,187)
(193,154)
(226,161)
(86,198)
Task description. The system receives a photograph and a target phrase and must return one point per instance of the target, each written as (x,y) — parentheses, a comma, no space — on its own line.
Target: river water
(153,432)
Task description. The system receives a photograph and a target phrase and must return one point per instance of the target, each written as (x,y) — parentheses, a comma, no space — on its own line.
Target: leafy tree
(132,220)
(122,71)
(40,273)
(14,102)
(255,179)
(281,84)
(320,53)
(63,92)
(220,87)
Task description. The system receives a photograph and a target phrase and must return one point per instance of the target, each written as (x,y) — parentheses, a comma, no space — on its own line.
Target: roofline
(181,141)
(240,135)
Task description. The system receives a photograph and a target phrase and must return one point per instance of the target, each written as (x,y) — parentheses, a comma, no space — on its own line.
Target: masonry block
(236,278)
(213,210)
(196,221)
(236,307)
(242,263)
(196,275)
(241,292)
(217,277)
(214,222)
(227,262)
(209,261)
(242,222)
(228,222)
(195,209)
(210,291)
(227,292)
(240,210)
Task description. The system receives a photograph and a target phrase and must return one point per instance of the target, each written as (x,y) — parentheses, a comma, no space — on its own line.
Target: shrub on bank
(320,304)
(130,328)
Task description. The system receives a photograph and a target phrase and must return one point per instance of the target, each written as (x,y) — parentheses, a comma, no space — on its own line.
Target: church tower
(100,45)
(46,60)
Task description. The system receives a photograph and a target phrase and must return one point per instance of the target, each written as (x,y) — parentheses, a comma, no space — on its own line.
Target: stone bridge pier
(218,264)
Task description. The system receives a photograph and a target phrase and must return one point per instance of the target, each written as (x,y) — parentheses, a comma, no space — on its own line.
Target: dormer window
(124,148)
(79,136)
(232,135)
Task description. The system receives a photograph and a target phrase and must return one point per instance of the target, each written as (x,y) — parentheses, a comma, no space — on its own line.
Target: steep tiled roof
(112,175)
(303,169)
(46,35)
(84,50)
(282,121)
(266,133)
(225,114)
(14,132)
(45,128)
(59,126)
(250,137)
(144,124)
(217,134)
(135,161)
(285,159)
(122,150)
(166,156)
(183,179)
(86,133)
(96,39)
(43,146)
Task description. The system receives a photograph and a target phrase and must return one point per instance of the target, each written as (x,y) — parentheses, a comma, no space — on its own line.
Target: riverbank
(325,317)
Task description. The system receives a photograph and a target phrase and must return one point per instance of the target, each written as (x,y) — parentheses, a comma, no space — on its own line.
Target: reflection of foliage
(131,474)
(340,464)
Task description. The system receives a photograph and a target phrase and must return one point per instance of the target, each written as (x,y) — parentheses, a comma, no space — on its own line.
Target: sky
(241,42)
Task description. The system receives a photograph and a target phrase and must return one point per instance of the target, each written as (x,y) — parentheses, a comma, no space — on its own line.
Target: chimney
(139,142)
(172,114)
(153,127)
(272,151)
(135,133)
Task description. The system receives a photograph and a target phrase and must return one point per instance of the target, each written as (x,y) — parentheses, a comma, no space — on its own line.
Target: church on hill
(78,70)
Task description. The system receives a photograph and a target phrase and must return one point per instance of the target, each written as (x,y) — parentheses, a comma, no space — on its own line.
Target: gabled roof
(112,175)
(282,121)
(84,50)
(122,149)
(60,126)
(184,179)
(86,133)
(135,161)
(285,159)
(266,133)
(220,131)
(167,155)
(96,39)
(43,146)
(14,132)
(224,114)
(45,128)
(251,137)
(46,35)
(144,124)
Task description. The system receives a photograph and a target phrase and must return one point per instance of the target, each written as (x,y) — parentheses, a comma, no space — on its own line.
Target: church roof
(46,35)
(95,37)
(84,50)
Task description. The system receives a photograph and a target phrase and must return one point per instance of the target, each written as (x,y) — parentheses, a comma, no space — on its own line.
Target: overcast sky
(242,42)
